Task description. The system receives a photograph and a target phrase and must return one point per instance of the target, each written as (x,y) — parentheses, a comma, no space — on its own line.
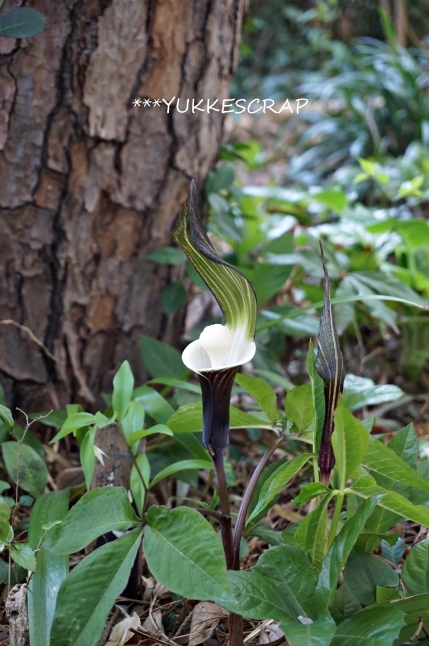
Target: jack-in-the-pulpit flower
(330,366)
(221,349)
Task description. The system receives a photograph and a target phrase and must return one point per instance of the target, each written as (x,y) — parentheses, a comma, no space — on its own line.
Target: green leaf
(153,403)
(167,256)
(317,390)
(160,359)
(406,445)
(33,474)
(102,421)
(6,417)
(158,428)
(189,418)
(364,572)
(292,572)
(51,570)
(184,553)
(73,423)
(318,633)
(415,572)
(309,492)
(132,422)
(255,596)
(361,391)
(123,384)
(275,483)
(373,626)
(311,533)
(173,297)
(99,511)
(183,465)
(24,556)
(415,609)
(90,590)
(21,22)
(262,393)
(382,460)
(349,441)
(230,287)
(393,551)
(176,383)
(299,406)
(335,198)
(139,488)
(394,502)
(5,528)
(87,456)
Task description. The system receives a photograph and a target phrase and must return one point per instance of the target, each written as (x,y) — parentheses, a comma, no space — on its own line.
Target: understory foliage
(340,573)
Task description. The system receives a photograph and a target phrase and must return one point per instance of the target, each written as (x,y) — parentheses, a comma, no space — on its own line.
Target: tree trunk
(90,184)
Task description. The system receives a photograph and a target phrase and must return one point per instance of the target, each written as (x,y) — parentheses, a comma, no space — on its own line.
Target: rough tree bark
(89,184)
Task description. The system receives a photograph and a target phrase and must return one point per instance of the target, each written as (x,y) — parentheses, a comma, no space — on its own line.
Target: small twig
(108,629)
(32,336)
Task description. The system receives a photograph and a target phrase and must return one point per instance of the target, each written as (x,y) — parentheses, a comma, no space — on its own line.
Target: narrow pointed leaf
(394,502)
(338,554)
(381,459)
(189,418)
(51,570)
(262,393)
(123,384)
(275,483)
(230,287)
(90,590)
(299,408)
(311,533)
(349,441)
(183,465)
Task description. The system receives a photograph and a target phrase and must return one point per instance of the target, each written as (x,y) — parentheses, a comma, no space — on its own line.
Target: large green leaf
(256,597)
(90,590)
(415,572)
(275,483)
(33,474)
(73,423)
(51,570)
(318,633)
(349,441)
(373,626)
(97,512)
(364,572)
(317,390)
(382,460)
(160,359)
(230,287)
(299,407)
(311,533)
(21,22)
(189,418)
(184,553)
(338,554)
(6,417)
(262,393)
(291,570)
(123,384)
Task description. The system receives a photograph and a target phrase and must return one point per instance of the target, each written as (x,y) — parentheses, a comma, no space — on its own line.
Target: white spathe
(219,347)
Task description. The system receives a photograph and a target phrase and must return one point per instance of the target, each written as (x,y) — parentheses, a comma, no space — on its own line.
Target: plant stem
(242,513)
(225,525)
(335,518)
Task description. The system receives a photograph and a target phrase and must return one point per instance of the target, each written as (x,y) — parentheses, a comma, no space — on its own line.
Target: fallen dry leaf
(270,634)
(205,618)
(121,632)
